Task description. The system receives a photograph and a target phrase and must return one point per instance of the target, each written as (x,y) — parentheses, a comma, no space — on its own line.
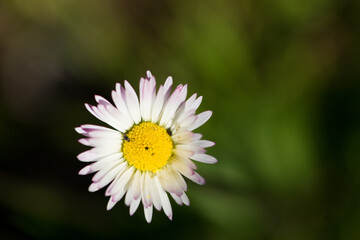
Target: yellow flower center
(147,146)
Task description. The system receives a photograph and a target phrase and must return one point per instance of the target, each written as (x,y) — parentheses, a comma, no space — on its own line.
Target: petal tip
(148,74)
(85,170)
(79,130)
(93,187)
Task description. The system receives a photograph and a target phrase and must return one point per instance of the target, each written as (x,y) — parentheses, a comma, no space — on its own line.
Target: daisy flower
(149,147)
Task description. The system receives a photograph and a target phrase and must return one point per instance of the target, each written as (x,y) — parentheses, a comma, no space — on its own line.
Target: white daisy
(149,148)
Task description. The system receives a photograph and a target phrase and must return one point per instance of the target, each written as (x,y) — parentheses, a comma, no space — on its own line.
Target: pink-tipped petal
(134,205)
(110,204)
(197,178)
(176,198)
(148,213)
(118,196)
(185,199)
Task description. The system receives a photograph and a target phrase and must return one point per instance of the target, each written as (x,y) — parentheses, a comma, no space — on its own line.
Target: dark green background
(282,78)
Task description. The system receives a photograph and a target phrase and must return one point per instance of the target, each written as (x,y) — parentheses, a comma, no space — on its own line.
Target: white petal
(104,171)
(133,188)
(145,193)
(134,205)
(89,156)
(97,142)
(204,143)
(202,118)
(182,153)
(106,149)
(110,119)
(85,170)
(185,199)
(119,100)
(137,185)
(148,213)
(103,162)
(120,182)
(92,111)
(148,74)
(154,194)
(110,204)
(160,99)
(105,134)
(164,198)
(185,115)
(158,105)
(118,196)
(186,160)
(128,197)
(132,102)
(190,101)
(98,131)
(188,122)
(181,166)
(181,199)
(122,118)
(98,152)
(93,187)
(171,180)
(141,95)
(147,96)
(101,113)
(100,99)
(173,103)
(197,178)
(176,198)
(109,176)
(167,86)
(196,136)
(187,109)
(182,136)
(204,158)
(195,104)
(193,148)
(80,130)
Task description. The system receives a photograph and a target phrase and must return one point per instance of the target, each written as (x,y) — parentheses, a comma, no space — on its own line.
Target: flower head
(149,148)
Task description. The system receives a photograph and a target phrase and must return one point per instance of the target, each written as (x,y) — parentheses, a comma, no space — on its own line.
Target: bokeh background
(281,76)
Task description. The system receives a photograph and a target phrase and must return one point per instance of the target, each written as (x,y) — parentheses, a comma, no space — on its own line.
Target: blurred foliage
(282,78)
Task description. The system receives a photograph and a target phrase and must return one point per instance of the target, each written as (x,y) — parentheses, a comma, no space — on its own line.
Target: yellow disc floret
(147,146)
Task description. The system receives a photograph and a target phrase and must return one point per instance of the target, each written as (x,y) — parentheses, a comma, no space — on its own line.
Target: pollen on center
(147,147)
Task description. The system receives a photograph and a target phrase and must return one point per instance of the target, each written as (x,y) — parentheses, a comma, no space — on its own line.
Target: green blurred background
(283,80)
